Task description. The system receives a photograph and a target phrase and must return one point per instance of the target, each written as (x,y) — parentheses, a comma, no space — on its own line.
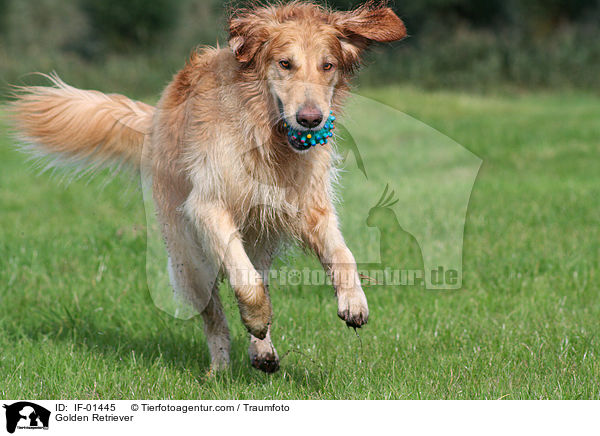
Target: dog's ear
(244,36)
(372,22)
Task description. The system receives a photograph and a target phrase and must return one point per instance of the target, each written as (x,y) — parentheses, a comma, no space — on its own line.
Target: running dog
(234,171)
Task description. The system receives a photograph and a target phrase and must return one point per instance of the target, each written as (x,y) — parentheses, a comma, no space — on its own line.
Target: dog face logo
(26,415)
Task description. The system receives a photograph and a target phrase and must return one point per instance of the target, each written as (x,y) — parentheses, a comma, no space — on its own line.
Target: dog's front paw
(255,309)
(257,320)
(353,308)
(256,326)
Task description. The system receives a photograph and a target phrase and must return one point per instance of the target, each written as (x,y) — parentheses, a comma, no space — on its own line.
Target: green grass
(77,321)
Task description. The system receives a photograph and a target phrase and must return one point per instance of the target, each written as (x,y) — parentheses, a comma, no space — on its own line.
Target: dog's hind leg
(196,283)
(263,354)
(194,279)
(217,332)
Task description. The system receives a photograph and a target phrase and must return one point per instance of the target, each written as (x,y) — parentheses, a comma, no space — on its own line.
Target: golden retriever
(229,184)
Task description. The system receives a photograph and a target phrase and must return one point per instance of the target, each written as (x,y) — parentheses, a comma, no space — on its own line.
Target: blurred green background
(475,45)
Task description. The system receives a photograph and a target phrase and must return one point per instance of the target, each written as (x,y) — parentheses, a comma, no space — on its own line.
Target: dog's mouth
(297,143)
(303,140)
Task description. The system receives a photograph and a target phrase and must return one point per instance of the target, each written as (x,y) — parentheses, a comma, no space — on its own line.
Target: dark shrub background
(135,46)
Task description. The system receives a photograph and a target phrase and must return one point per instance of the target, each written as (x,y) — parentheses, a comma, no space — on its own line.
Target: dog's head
(306,53)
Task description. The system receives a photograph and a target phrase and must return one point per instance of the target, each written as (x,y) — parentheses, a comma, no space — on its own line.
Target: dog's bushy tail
(79,127)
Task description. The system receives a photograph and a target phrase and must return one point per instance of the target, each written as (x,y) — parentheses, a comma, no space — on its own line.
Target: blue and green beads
(313,137)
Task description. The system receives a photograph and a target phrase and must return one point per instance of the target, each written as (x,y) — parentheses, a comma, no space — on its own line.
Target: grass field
(77,321)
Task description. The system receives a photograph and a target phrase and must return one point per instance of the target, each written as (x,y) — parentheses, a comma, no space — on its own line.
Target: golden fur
(228,186)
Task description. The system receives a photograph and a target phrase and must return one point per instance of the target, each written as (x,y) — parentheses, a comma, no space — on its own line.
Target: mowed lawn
(77,320)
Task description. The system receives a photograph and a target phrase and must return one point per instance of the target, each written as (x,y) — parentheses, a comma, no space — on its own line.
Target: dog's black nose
(309,117)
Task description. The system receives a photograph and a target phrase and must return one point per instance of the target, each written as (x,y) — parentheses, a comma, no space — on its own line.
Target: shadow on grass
(161,341)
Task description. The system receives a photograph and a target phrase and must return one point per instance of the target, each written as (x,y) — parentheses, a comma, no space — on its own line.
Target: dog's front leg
(323,235)
(220,237)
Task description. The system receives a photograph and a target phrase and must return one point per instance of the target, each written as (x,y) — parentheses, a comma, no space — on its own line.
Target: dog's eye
(285,64)
(328,66)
